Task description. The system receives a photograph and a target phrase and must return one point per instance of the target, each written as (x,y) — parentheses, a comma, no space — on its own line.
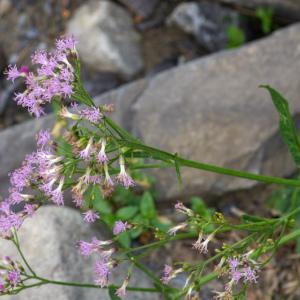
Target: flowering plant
(92,157)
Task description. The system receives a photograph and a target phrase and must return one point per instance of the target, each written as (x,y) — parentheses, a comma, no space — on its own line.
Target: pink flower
(108,181)
(233,263)
(43,137)
(87,248)
(102,157)
(86,153)
(250,275)
(13,73)
(123,178)
(14,277)
(90,216)
(92,114)
(57,195)
(102,271)
(169,273)
(29,209)
(119,227)
(121,291)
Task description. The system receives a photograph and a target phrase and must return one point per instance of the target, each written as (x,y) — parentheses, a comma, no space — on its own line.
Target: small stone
(208,22)
(107,40)
(5,6)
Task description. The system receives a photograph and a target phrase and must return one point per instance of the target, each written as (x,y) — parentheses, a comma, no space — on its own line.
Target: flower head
(121,291)
(43,137)
(119,227)
(86,153)
(102,271)
(92,114)
(123,178)
(90,216)
(201,243)
(102,157)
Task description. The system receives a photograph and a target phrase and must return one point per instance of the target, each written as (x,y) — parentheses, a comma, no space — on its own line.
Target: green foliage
(286,124)
(200,208)
(235,36)
(286,200)
(265,15)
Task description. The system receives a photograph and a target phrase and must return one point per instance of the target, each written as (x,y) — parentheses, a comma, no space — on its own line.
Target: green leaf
(127,212)
(266,18)
(112,293)
(235,36)
(134,233)
(199,206)
(286,124)
(147,206)
(100,204)
(124,239)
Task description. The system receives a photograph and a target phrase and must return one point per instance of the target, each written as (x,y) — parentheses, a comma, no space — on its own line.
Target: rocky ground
(143,55)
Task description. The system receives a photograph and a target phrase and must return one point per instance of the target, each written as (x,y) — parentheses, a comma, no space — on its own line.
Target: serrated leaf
(127,212)
(147,206)
(286,124)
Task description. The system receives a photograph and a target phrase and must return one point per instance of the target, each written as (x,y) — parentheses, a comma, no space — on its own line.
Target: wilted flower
(201,243)
(173,230)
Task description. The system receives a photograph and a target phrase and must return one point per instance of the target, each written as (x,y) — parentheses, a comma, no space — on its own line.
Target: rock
(142,8)
(208,22)
(289,10)
(5,6)
(211,110)
(107,40)
(48,241)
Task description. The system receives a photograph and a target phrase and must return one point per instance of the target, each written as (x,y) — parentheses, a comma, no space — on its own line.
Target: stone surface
(48,241)
(142,8)
(208,22)
(209,110)
(107,40)
(289,10)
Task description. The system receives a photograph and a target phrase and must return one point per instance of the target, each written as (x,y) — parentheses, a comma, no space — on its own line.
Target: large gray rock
(48,241)
(208,22)
(107,40)
(209,110)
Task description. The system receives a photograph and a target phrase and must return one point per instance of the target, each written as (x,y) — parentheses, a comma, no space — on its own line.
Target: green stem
(87,285)
(209,167)
(17,244)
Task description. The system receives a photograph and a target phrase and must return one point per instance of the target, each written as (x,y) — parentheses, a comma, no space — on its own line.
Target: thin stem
(87,285)
(209,167)
(17,244)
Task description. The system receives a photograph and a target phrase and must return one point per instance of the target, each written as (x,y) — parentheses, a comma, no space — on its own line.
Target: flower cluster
(240,270)
(54,77)
(105,263)
(10,275)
